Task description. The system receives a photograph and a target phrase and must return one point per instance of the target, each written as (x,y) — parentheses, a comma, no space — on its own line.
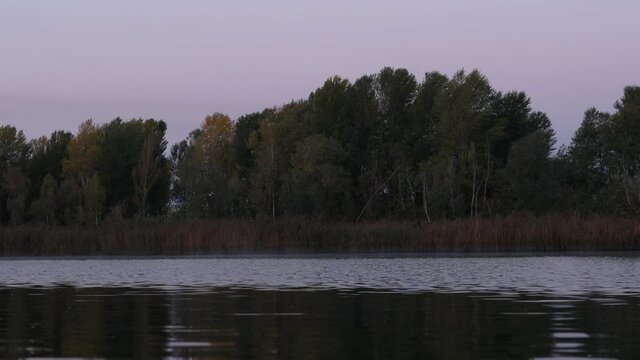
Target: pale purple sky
(64,61)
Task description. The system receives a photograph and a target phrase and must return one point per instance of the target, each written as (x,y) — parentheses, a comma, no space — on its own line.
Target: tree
(213,144)
(82,153)
(328,108)
(527,171)
(395,92)
(424,117)
(244,127)
(14,149)
(14,152)
(243,158)
(513,110)
(318,181)
(424,120)
(46,156)
(204,168)
(93,195)
(69,202)
(622,136)
(44,208)
(381,146)
(361,147)
(151,163)
(121,156)
(588,157)
(16,186)
(179,158)
(464,137)
(266,148)
(272,146)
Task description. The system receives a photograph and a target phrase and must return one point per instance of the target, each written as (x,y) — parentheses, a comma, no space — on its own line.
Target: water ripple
(557,275)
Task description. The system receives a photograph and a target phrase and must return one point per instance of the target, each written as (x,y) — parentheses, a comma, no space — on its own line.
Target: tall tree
(151,167)
(82,153)
(328,108)
(14,148)
(94,197)
(204,168)
(622,140)
(44,207)
(14,152)
(424,120)
(46,158)
(318,181)
(244,127)
(69,202)
(361,147)
(589,160)
(16,186)
(122,149)
(272,146)
(145,174)
(528,172)
(395,91)
(464,136)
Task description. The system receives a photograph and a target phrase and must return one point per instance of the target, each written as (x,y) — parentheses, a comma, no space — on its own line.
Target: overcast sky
(64,61)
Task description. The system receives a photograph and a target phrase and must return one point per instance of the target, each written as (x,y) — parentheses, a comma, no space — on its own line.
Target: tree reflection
(227,323)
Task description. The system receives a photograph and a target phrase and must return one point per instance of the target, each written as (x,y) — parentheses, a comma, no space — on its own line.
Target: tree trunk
(375,193)
(486,181)
(424,195)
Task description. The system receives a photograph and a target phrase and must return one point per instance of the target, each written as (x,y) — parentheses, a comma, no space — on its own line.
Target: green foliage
(424,115)
(83,152)
(44,207)
(382,146)
(328,110)
(318,183)
(93,200)
(203,169)
(358,140)
(244,128)
(46,159)
(272,146)
(16,186)
(588,160)
(14,149)
(622,140)
(464,136)
(14,152)
(125,147)
(69,202)
(527,172)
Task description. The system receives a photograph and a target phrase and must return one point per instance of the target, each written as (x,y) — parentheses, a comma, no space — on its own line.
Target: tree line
(383,146)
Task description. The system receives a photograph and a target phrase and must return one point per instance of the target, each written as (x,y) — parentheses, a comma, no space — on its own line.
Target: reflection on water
(405,308)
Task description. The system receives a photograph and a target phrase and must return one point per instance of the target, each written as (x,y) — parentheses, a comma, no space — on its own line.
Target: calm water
(322,308)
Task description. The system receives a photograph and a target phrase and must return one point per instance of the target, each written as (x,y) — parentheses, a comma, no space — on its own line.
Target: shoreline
(295,236)
(338,256)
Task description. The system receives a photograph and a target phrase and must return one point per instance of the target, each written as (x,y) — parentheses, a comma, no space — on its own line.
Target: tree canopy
(386,145)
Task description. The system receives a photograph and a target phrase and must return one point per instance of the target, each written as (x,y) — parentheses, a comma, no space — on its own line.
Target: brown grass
(504,234)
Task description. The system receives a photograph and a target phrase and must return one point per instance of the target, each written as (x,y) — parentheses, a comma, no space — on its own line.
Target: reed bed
(516,233)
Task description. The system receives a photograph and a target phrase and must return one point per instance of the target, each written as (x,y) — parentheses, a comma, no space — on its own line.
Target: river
(322,307)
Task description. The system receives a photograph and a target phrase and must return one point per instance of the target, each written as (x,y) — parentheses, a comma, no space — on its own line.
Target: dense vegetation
(383,147)
(513,233)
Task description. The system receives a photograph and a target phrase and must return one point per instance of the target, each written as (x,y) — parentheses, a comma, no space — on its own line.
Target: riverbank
(502,234)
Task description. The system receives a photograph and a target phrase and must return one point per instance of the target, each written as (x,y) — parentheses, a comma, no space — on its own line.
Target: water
(322,307)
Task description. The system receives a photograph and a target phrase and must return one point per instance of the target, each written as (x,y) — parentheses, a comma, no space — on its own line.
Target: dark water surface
(322,308)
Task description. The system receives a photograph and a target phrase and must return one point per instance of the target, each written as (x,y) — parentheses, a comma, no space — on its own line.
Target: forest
(386,146)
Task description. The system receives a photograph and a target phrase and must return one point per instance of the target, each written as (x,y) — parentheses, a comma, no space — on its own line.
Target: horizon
(70,60)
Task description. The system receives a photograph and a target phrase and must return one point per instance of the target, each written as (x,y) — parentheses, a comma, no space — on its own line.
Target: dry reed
(516,233)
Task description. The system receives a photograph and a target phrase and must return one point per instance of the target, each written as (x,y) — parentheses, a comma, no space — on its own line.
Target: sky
(64,61)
